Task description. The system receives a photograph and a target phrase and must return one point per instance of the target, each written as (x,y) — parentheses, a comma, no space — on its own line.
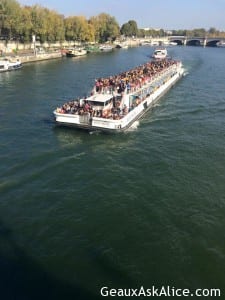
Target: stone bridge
(195,41)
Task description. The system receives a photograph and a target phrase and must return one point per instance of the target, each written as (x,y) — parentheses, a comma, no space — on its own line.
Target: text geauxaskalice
(157,292)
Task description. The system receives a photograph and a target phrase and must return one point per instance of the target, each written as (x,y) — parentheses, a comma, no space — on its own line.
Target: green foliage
(10,17)
(200,32)
(78,29)
(105,27)
(21,22)
(129,29)
(26,20)
(151,33)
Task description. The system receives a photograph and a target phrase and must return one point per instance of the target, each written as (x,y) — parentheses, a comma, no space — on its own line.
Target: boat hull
(11,69)
(6,65)
(107,125)
(160,53)
(76,52)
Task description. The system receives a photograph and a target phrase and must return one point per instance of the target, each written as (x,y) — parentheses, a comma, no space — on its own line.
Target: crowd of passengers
(82,108)
(79,107)
(133,79)
(130,81)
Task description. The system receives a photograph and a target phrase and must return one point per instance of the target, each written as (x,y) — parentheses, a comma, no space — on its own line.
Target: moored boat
(106,48)
(76,52)
(173,43)
(160,53)
(92,48)
(118,101)
(221,44)
(10,64)
(122,46)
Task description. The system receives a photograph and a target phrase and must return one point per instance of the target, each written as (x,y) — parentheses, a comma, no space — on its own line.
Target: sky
(166,14)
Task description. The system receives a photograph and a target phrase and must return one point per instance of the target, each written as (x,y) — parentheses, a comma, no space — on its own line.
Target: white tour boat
(118,101)
(9,64)
(160,53)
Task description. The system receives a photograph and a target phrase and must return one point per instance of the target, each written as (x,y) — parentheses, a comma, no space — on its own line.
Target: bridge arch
(179,42)
(212,43)
(194,42)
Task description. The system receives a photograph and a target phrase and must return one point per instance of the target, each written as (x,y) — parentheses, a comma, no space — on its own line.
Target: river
(82,211)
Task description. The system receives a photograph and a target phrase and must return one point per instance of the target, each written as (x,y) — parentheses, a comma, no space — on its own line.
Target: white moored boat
(118,101)
(221,44)
(106,48)
(160,53)
(122,46)
(76,52)
(9,64)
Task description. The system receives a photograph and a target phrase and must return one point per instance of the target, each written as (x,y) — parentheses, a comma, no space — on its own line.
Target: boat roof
(160,50)
(100,97)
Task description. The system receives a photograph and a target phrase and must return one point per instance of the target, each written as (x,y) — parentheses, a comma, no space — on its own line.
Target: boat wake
(185,73)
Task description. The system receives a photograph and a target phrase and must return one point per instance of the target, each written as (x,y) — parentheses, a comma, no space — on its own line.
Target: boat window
(96,103)
(108,101)
(132,97)
(134,100)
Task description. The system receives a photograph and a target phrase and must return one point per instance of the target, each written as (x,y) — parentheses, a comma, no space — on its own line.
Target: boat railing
(133,87)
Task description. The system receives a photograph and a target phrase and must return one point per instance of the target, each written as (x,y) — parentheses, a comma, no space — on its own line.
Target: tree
(129,29)
(105,27)
(180,32)
(25,29)
(125,29)
(39,17)
(142,33)
(56,30)
(10,17)
(2,16)
(198,32)
(78,29)
(213,32)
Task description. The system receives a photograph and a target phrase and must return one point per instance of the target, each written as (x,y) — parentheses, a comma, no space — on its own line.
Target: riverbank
(48,50)
(39,57)
(14,47)
(27,56)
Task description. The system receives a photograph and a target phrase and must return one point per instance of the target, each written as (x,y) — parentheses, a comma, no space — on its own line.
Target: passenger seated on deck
(86,106)
(137,101)
(125,109)
(97,85)
(118,110)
